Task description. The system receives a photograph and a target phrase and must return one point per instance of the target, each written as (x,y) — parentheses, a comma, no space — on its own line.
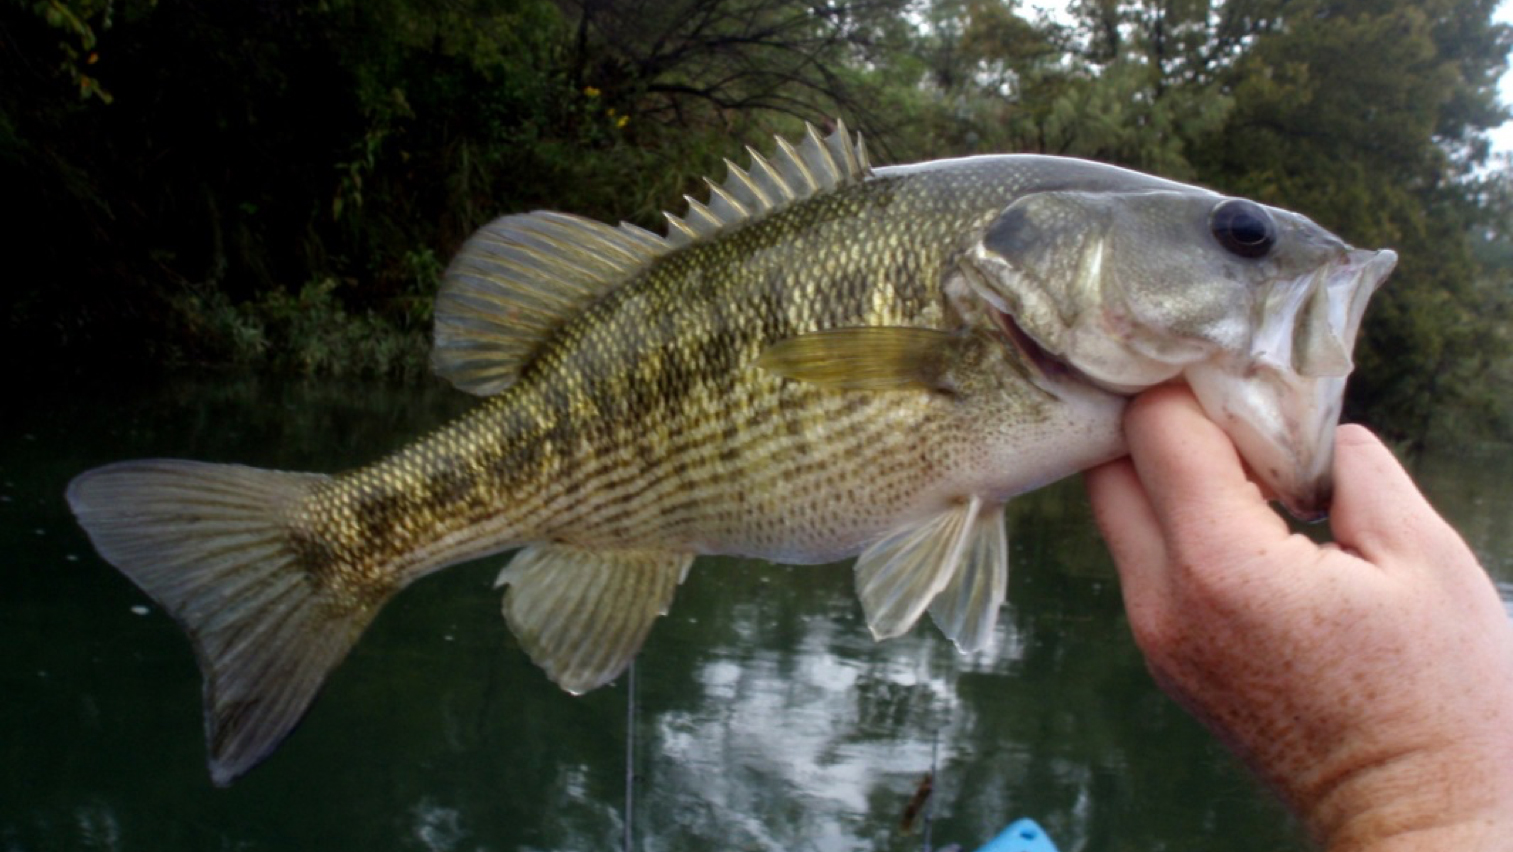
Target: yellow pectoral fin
(582,615)
(955,564)
(872,358)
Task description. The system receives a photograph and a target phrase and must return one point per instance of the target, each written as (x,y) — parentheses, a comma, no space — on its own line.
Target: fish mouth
(1030,353)
(1280,402)
(1279,399)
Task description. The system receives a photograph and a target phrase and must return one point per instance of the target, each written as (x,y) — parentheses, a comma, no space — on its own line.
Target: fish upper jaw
(1280,401)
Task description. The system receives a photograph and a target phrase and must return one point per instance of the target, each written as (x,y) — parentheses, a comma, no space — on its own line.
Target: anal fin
(582,615)
(955,564)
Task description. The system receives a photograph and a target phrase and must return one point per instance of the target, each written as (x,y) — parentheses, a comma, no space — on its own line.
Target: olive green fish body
(823,360)
(647,424)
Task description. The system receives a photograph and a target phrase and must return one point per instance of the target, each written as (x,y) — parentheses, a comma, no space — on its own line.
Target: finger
(1378,512)
(1134,539)
(1195,480)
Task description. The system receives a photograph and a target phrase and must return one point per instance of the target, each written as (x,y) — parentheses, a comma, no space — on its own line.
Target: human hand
(1370,681)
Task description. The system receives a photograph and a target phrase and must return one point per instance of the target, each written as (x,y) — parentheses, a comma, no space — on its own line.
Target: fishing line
(630,753)
(930,802)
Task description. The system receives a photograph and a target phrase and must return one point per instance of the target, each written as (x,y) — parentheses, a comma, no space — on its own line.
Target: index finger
(1132,533)
(1197,486)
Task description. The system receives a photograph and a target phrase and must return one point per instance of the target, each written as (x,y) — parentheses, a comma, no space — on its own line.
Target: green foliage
(280,184)
(308,333)
(76,21)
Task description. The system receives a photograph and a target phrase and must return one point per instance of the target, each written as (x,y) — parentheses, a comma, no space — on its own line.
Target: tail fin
(211,545)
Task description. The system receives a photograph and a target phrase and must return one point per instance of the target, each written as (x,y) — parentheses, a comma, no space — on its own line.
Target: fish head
(1256,308)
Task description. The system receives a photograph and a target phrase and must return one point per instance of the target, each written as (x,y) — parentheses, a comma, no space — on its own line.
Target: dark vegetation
(279,184)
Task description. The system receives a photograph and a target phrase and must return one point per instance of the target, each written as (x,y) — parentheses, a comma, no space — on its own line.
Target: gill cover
(1257,308)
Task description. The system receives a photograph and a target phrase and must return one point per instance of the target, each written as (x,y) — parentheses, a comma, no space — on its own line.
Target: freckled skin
(1370,683)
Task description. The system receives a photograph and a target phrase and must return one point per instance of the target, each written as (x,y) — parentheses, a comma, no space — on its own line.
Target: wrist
(1485,835)
(1414,804)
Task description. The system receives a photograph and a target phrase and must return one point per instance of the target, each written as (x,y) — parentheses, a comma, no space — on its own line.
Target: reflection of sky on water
(787,744)
(765,740)
(795,730)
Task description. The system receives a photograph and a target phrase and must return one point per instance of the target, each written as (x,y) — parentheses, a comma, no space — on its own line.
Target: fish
(823,360)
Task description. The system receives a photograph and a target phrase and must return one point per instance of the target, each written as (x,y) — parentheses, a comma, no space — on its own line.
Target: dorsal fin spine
(701,217)
(842,149)
(768,180)
(678,230)
(727,200)
(817,152)
(797,173)
(752,189)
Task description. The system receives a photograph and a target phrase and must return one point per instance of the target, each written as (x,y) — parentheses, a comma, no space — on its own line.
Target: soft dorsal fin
(519,278)
(514,282)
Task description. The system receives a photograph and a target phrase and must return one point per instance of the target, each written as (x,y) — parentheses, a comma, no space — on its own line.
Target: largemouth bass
(826,359)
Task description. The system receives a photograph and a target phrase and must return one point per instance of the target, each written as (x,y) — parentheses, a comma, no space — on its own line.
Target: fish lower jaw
(1028,348)
(1070,369)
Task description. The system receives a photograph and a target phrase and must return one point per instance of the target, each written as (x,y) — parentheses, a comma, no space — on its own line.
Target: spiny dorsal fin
(519,278)
(793,174)
(516,280)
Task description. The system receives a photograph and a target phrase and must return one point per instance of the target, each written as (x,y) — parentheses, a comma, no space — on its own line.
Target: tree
(281,183)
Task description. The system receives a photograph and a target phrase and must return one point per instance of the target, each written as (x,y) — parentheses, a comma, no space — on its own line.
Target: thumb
(1378,512)
(1196,482)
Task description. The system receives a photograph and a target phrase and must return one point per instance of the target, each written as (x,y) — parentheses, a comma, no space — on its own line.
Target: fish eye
(1243,228)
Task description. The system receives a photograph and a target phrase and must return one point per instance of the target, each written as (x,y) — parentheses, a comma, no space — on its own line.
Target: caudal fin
(210,543)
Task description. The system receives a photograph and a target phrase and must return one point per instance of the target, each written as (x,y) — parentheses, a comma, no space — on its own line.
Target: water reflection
(767,717)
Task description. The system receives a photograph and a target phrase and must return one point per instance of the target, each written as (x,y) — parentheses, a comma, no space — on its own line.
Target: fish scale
(824,360)
(616,463)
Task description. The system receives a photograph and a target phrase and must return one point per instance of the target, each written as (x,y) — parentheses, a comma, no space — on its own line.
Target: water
(766,718)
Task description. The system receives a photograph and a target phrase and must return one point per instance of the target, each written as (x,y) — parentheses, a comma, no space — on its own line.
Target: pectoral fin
(872,358)
(582,615)
(962,551)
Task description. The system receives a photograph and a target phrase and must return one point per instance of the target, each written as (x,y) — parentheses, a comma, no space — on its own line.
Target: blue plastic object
(1023,835)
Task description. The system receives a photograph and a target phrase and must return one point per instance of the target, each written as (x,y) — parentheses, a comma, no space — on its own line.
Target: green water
(766,718)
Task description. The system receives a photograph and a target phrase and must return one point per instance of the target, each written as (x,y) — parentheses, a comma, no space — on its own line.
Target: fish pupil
(1243,228)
